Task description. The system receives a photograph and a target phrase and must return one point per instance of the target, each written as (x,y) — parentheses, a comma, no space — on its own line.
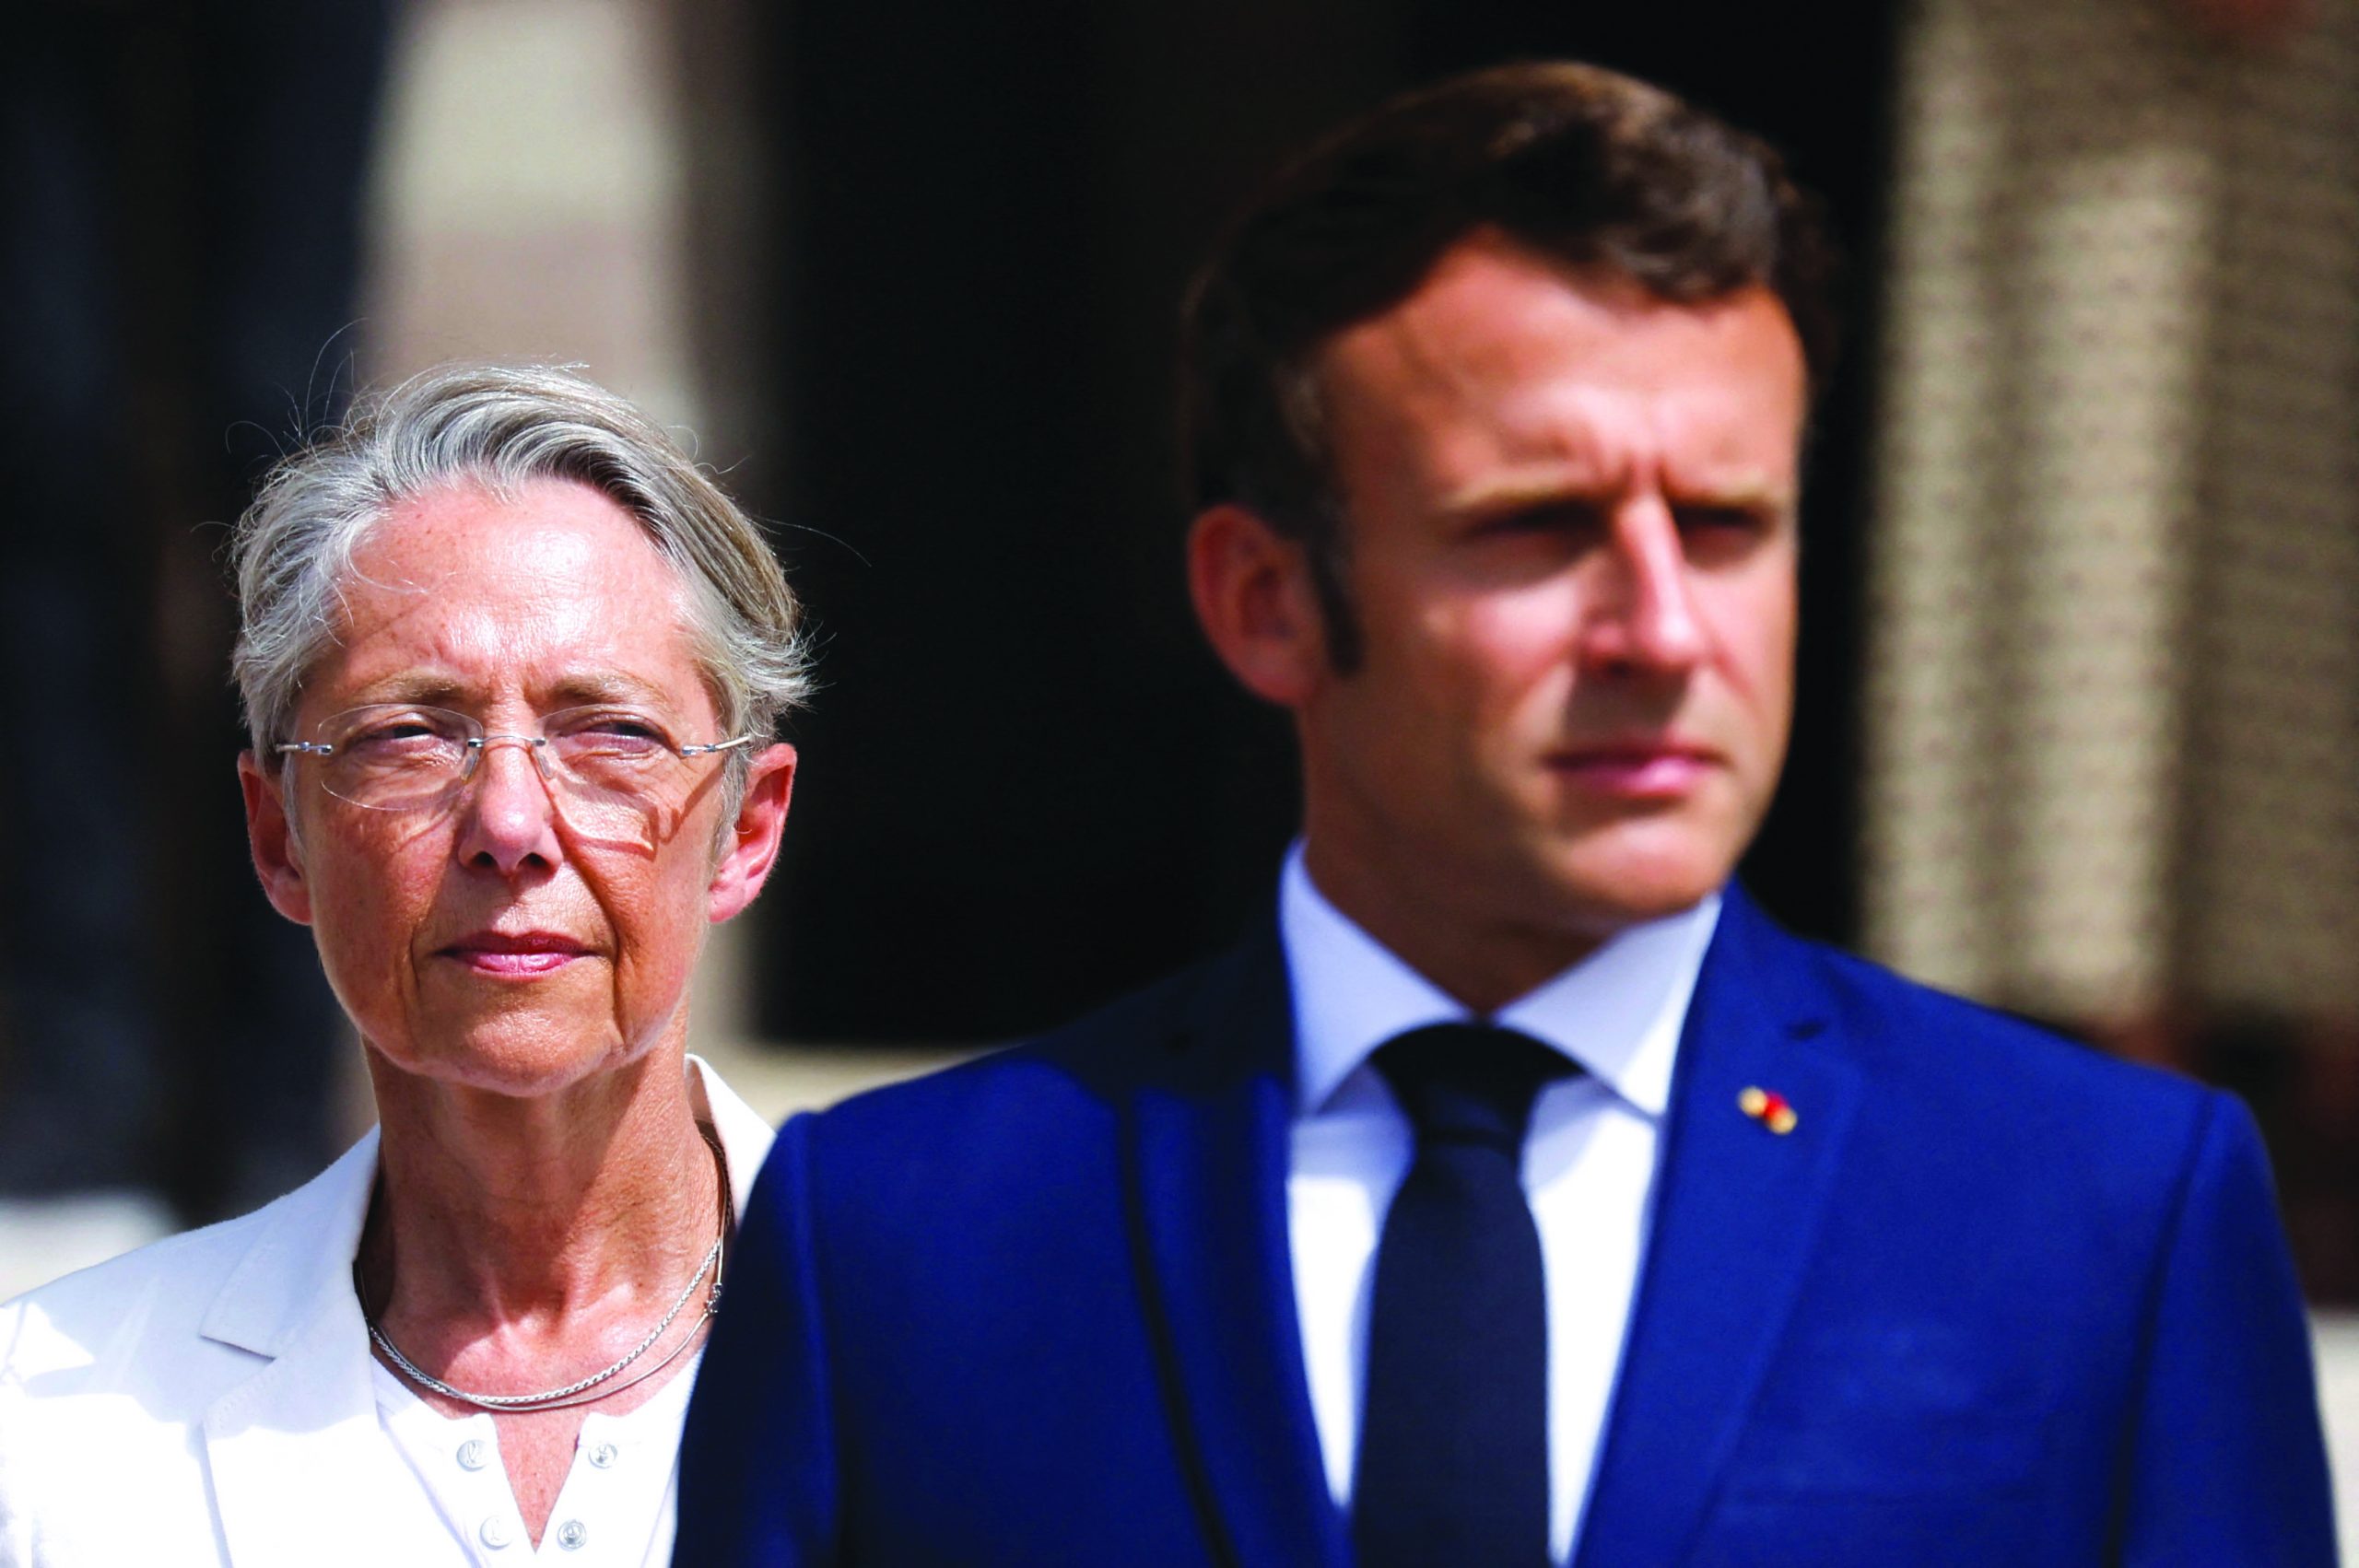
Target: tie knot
(1469,1083)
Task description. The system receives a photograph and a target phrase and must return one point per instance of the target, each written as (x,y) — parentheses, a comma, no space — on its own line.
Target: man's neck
(1480,960)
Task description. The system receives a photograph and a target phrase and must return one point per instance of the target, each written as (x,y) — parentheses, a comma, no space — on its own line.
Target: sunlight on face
(510,938)
(1571,543)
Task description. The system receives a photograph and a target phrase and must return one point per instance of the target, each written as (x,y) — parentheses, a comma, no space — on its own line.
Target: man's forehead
(1537,376)
(1492,309)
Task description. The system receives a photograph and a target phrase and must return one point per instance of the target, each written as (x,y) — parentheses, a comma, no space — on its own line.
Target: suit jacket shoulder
(1981,1064)
(109,1328)
(956,1297)
(1987,1272)
(1012,1116)
(122,1382)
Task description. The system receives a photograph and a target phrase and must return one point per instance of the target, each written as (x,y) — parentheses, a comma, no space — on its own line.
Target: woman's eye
(612,734)
(399,740)
(394,731)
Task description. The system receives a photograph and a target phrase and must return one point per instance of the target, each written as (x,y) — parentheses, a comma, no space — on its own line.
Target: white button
(495,1532)
(604,1455)
(573,1535)
(472,1456)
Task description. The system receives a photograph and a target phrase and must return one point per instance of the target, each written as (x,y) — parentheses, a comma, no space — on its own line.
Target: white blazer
(209,1399)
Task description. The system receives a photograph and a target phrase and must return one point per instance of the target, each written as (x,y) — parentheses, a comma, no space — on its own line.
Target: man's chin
(1605,893)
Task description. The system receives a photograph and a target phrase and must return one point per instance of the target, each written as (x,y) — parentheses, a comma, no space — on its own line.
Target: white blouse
(618,1507)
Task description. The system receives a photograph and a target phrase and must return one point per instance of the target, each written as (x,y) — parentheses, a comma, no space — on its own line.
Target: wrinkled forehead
(548,590)
(1502,358)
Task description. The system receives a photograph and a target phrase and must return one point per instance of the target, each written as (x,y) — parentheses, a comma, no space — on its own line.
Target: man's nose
(1646,617)
(507,816)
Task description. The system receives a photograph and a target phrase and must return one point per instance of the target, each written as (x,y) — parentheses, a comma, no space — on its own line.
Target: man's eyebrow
(1750,492)
(1555,488)
(1564,487)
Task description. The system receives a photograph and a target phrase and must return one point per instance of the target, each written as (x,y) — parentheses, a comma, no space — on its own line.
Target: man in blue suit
(1520,1194)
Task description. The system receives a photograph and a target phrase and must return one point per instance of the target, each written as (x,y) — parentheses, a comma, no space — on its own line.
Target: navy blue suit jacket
(1995,1300)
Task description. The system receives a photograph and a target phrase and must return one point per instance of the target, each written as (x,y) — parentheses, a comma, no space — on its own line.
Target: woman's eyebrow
(427,688)
(434,688)
(609,686)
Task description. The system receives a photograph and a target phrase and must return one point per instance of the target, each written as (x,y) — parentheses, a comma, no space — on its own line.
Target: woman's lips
(521,955)
(1636,772)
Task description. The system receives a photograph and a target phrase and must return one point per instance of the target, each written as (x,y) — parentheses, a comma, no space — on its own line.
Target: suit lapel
(1207,1153)
(1737,1211)
(297,1461)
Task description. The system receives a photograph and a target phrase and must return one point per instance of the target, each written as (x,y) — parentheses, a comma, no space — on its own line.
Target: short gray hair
(498,427)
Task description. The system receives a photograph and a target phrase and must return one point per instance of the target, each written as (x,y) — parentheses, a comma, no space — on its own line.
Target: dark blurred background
(181,242)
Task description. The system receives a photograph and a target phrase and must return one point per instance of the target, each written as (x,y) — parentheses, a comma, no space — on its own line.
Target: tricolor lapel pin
(1769,1108)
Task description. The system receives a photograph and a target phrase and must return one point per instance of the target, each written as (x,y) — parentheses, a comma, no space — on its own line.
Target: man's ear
(1254,599)
(278,858)
(751,848)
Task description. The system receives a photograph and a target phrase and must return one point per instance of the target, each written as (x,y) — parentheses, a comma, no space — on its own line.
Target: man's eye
(1720,520)
(1554,516)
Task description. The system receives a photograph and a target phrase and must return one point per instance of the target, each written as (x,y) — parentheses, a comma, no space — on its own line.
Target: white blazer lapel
(300,1471)
(745,1136)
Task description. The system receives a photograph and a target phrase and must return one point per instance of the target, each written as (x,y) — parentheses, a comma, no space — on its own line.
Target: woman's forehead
(464,529)
(555,587)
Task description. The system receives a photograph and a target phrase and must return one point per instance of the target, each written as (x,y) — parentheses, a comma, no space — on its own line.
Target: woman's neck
(503,1221)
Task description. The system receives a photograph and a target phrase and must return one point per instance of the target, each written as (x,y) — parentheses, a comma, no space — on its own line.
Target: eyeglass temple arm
(324,748)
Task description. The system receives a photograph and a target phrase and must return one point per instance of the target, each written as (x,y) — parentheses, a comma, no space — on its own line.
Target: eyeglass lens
(614,767)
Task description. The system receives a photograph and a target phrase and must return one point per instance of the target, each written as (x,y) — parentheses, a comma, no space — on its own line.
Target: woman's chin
(511,1055)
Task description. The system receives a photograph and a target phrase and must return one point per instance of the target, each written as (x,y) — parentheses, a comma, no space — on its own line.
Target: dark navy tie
(1453,1452)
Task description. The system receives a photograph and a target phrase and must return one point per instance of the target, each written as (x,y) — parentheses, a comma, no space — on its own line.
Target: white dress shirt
(1589,1160)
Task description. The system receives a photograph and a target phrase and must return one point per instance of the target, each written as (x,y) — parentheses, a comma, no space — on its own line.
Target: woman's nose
(508,816)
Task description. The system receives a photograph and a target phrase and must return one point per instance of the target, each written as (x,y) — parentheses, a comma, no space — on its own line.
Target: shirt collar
(1618,1013)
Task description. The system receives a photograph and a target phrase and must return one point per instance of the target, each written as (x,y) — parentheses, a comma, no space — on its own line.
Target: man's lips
(516,953)
(1655,770)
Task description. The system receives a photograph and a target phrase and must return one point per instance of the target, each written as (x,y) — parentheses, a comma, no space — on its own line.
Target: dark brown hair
(1593,169)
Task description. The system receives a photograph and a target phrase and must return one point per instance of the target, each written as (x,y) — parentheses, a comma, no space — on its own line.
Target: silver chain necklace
(584,1390)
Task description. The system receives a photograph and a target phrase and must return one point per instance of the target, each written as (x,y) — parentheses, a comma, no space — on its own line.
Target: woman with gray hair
(511,662)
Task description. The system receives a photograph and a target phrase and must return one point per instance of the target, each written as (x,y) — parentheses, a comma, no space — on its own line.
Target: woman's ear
(270,834)
(751,848)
